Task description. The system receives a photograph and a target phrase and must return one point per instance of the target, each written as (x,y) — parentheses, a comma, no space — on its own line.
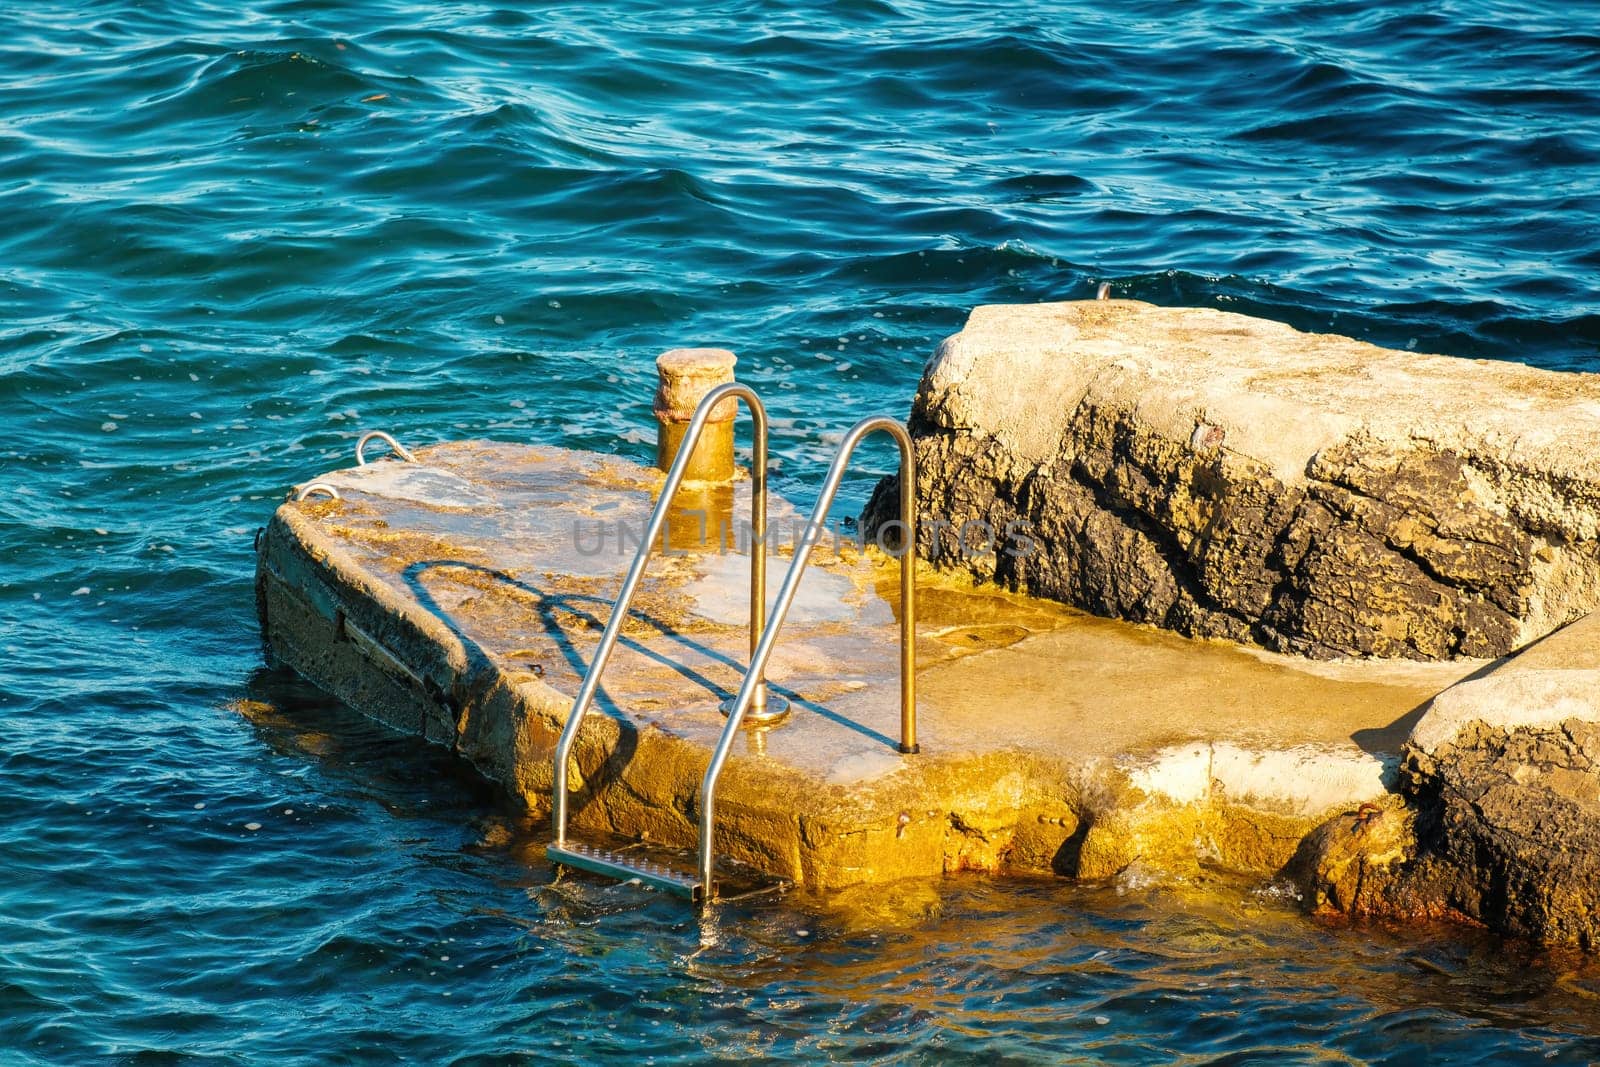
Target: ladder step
(626,867)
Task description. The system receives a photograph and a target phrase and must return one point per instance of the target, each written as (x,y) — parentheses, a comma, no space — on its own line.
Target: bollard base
(773,712)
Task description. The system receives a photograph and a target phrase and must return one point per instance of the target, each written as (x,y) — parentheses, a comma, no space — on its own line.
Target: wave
(237,235)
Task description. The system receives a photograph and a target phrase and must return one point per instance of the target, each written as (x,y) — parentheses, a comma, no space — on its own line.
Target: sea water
(234,235)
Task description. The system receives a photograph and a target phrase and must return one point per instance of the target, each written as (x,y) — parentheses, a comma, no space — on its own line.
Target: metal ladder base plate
(626,867)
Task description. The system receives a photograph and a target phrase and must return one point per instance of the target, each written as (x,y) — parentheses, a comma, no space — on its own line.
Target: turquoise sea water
(234,235)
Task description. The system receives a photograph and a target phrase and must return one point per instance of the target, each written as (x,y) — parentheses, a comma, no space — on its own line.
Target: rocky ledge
(1497,819)
(1223,476)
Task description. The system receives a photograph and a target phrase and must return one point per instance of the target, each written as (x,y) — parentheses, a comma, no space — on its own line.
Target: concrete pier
(460,597)
(1254,488)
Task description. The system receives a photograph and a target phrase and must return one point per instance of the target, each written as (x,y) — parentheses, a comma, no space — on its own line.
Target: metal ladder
(700,888)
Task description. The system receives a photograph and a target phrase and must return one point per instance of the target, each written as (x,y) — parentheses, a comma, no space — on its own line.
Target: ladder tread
(626,866)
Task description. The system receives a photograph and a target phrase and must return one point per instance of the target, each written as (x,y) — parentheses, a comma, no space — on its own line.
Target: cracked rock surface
(1498,820)
(1499,828)
(1222,476)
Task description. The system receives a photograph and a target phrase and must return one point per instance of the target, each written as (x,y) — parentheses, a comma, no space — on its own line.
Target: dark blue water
(232,235)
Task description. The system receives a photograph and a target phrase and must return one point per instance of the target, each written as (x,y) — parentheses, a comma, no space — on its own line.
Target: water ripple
(239,234)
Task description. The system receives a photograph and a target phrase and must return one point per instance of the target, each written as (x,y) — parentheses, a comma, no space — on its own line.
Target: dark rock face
(1501,827)
(1513,823)
(1224,476)
(1379,553)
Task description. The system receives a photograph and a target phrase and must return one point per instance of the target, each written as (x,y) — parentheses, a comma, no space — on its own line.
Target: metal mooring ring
(378,435)
(317,487)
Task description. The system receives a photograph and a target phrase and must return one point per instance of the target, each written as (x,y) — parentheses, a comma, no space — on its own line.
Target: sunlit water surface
(234,235)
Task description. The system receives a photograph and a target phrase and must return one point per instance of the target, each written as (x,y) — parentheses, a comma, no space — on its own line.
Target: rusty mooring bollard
(687,374)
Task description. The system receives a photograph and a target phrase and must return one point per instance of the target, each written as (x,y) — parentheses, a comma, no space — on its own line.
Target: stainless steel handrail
(754,681)
(754,678)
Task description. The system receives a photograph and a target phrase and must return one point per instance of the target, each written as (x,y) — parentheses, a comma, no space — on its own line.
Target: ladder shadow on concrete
(550,603)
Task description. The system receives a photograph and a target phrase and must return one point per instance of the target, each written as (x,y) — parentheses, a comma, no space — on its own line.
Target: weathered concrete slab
(1224,476)
(462,596)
